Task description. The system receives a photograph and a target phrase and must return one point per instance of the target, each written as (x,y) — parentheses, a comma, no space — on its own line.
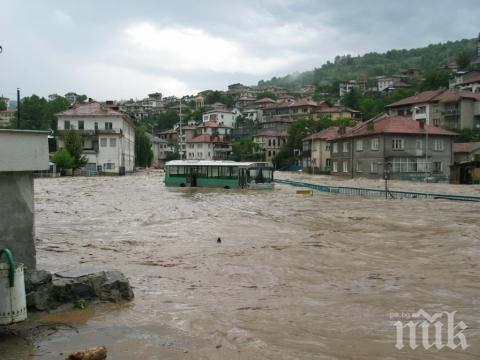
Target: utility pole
(181,137)
(18,108)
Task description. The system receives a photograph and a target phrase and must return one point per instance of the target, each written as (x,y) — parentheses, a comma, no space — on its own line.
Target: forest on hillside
(373,64)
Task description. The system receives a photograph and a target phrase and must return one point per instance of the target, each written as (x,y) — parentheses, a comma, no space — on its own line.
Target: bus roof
(217,163)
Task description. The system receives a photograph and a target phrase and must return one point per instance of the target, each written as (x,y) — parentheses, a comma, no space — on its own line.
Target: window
(345,147)
(345,166)
(334,166)
(397,144)
(269,142)
(328,147)
(358,167)
(374,144)
(269,153)
(66,125)
(81,125)
(273,142)
(113,142)
(418,144)
(438,145)
(109,166)
(96,126)
(108,126)
(335,147)
(273,152)
(221,116)
(359,145)
(328,163)
(437,167)
(103,142)
(373,167)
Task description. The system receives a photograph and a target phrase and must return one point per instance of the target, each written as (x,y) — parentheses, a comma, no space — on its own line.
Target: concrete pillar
(17,216)
(21,153)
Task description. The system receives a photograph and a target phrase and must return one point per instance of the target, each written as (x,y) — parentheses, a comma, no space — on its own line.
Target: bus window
(267,174)
(181,170)
(214,171)
(234,172)
(225,171)
(202,171)
(172,170)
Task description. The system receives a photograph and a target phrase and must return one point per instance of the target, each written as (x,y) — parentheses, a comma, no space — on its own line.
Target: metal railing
(355,191)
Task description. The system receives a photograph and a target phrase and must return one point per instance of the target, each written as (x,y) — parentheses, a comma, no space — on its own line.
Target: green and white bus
(226,174)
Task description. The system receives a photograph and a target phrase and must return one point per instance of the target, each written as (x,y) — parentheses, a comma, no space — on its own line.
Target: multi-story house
(465,152)
(389,83)
(222,116)
(400,146)
(452,109)
(468,81)
(337,112)
(108,136)
(6,116)
(211,142)
(316,156)
(288,110)
(270,141)
(348,85)
(160,150)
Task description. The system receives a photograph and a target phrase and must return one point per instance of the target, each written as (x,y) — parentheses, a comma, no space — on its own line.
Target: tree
(463,60)
(53,107)
(73,144)
(246,150)
(63,159)
(143,148)
(266,94)
(217,96)
(352,99)
(32,113)
(434,79)
(3,106)
(81,98)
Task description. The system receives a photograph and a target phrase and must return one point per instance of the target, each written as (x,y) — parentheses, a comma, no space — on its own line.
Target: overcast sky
(126,49)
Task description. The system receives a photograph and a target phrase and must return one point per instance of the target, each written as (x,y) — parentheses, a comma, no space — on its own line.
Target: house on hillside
(388,84)
(466,169)
(465,152)
(402,147)
(316,157)
(452,109)
(337,112)
(468,81)
(270,142)
(222,116)
(108,136)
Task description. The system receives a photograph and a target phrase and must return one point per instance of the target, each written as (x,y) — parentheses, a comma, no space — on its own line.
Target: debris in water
(96,353)
(219,240)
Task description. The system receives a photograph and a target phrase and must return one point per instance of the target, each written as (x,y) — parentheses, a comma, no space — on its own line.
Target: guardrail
(377,192)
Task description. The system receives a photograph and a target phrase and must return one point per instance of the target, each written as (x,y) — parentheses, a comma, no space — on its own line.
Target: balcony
(83,132)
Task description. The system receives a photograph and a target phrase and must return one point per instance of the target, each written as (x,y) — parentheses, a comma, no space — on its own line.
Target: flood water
(294,277)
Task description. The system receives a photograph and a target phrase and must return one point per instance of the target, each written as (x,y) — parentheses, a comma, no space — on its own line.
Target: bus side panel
(175,180)
(215,182)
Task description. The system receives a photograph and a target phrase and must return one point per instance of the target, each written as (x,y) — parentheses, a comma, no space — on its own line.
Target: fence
(377,192)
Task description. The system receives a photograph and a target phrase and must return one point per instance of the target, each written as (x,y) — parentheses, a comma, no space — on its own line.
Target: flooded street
(293,278)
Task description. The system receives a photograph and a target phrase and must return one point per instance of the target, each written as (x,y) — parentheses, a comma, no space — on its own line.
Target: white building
(71,97)
(160,149)
(208,147)
(225,117)
(108,136)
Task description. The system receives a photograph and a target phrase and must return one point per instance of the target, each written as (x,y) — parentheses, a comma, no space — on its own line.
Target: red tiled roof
(206,138)
(466,147)
(422,97)
(213,124)
(89,109)
(265,100)
(335,109)
(294,103)
(395,125)
(326,134)
(272,133)
(455,95)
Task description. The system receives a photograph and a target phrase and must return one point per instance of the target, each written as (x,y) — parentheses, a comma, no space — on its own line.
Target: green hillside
(375,64)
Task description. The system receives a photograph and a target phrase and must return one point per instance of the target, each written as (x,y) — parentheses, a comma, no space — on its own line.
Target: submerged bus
(226,174)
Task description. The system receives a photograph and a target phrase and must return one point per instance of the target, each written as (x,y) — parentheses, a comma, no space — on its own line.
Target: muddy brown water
(294,277)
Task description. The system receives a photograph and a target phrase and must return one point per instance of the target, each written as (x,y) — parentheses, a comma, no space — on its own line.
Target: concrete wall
(17,216)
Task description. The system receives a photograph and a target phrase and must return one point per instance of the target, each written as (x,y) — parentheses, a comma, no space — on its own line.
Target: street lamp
(415,108)
(312,165)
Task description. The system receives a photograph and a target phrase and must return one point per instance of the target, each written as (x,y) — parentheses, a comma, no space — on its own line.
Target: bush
(63,159)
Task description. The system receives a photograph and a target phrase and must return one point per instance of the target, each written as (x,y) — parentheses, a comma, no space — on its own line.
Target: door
(193,177)
(419,147)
